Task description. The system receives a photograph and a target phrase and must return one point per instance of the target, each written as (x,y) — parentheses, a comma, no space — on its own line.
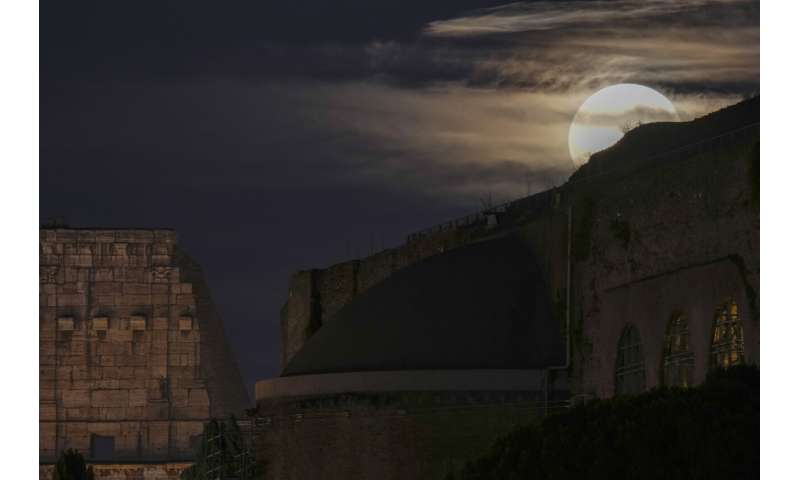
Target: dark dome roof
(481,306)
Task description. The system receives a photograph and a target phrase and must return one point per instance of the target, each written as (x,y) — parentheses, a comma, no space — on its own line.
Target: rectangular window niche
(138,323)
(66,324)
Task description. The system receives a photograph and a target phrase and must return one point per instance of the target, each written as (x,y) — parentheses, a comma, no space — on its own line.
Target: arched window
(630,365)
(727,341)
(678,358)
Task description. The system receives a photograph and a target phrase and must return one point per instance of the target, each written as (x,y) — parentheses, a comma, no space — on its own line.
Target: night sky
(277,136)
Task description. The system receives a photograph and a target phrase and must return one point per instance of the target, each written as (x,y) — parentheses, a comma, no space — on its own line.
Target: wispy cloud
(474,104)
(550,15)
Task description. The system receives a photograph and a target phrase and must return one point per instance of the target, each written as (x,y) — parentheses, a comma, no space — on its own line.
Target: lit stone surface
(116,357)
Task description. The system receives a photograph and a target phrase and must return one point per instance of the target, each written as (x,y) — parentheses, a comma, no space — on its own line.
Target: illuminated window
(630,366)
(678,358)
(727,341)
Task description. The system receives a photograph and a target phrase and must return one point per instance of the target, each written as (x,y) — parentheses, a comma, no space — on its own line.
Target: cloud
(641,113)
(473,103)
(551,15)
(691,46)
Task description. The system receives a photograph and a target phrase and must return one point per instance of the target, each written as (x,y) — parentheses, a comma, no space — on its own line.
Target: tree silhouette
(72,466)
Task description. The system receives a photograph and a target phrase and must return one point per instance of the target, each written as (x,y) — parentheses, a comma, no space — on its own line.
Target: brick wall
(395,436)
(120,345)
(118,471)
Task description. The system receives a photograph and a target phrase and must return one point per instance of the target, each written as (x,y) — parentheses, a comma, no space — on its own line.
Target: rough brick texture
(383,438)
(121,471)
(113,359)
(680,237)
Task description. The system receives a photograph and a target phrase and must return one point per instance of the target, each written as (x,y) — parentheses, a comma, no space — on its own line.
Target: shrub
(72,466)
(707,432)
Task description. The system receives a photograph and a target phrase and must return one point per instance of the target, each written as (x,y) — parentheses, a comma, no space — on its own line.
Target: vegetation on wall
(72,466)
(582,235)
(621,229)
(707,432)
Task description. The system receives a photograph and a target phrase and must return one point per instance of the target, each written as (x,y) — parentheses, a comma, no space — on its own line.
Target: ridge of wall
(316,295)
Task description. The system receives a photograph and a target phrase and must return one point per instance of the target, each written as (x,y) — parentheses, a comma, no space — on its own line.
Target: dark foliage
(707,432)
(72,466)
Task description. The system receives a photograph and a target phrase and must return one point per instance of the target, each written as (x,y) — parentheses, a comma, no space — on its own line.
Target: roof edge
(401,380)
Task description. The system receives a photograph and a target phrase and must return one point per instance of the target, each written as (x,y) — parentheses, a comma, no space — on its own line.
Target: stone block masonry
(130,347)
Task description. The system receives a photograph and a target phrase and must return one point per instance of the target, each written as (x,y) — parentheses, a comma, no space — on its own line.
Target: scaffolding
(227,450)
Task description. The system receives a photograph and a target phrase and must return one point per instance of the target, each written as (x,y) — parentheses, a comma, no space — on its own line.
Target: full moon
(608,114)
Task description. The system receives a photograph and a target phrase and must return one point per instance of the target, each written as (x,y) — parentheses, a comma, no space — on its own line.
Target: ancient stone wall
(315,296)
(633,219)
(121,471)
(121,336)
(678,237)
(377,436)
(666,235)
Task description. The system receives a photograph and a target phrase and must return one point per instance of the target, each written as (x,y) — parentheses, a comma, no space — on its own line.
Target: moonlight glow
(605,116)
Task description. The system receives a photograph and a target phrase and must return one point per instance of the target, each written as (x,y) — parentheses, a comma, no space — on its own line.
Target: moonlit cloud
(552,15)
(471,104)
(560,45)
(641,113)
(312,128)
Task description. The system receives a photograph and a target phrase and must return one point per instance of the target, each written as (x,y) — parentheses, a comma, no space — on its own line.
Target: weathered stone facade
(653,224)
(390,436)
(680,238)
(131,352)
(127,471)
(664,225)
